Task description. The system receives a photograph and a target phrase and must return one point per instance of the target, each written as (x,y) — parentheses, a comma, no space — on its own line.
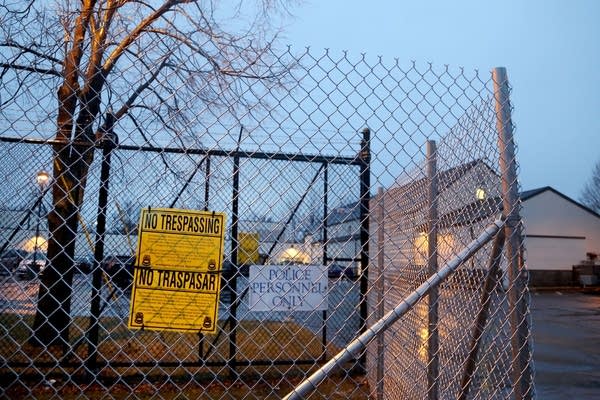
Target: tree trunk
(72,159)
(52,319)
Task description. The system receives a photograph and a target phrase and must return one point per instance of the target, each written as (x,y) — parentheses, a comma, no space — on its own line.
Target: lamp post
(42,178)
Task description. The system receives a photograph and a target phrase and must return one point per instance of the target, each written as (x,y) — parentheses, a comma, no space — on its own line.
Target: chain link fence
(369,176)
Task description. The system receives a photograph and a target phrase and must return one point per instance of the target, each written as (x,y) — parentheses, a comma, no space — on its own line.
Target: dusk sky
(551,49)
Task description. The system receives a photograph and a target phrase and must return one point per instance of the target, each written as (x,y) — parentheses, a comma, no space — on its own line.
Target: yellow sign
(248,245)
(177,276)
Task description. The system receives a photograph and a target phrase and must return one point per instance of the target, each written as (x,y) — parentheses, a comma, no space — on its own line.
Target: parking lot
(566,334)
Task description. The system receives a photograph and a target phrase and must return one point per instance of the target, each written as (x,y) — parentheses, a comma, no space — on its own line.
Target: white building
(559,233)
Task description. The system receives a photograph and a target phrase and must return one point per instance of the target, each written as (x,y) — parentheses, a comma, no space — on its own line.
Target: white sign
(288,287)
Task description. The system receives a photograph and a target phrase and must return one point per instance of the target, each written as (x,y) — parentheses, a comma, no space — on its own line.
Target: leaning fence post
(489,286)
(380,286)
(432,266)
(521,369)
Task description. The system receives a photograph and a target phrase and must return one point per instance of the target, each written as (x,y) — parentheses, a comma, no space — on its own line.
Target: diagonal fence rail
(360,344)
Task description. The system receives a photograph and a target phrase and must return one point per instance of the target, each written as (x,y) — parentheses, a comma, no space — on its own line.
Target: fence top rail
(300,157)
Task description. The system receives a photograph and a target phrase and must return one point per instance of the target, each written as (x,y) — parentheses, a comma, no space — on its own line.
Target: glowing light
(480,194)
(445,244)
(42,178)
(294,255)
(35,243)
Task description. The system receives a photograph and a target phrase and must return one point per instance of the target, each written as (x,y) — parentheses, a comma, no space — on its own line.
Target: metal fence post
(365,188)
(234,261)
(325,259)
(380,285)
(108,144)
(521,369)
(432,267)
(207,183)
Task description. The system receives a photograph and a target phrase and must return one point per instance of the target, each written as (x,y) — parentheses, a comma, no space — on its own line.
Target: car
(83,265)
(32,265)
(10,259)
(337,271)
(119,270)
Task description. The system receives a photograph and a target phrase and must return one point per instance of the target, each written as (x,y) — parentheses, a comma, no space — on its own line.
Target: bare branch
(31,68)
(138,30)
(239,73)
(143,134)
(22,13)
(590,195)
(29,50)
(130,101)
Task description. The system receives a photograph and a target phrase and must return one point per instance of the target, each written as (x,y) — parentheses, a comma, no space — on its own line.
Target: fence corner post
(433,359)
(521,368)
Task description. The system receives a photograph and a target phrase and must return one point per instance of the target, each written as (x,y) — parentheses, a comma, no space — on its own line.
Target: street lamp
(42,178)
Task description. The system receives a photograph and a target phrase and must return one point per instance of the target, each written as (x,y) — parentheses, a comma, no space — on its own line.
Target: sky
(550,48)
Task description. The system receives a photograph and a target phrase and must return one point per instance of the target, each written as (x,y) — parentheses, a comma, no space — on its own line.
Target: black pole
(207,183)
(109,142)
(206,195)
(365,188)
(37,235)
(325,239)
(234,261)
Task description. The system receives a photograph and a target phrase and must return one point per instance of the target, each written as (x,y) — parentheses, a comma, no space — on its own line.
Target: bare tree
(151,65)
(590,196)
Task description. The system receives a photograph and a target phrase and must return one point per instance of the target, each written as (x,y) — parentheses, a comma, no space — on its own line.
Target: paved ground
(566,334)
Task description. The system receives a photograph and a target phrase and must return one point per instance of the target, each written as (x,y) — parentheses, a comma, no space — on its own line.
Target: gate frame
(109,145)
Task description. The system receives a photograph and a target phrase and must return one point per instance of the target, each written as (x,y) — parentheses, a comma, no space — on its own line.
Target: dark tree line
(590,196)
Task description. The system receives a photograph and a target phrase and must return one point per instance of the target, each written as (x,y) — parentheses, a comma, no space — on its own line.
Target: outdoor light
(480,194)
(42,178)
(293,255)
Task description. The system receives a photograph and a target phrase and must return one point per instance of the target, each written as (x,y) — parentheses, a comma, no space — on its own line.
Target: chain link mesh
(287,159)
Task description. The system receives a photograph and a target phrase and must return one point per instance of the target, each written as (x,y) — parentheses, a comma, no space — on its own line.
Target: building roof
(412,195)
(445,177)
(528,194)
